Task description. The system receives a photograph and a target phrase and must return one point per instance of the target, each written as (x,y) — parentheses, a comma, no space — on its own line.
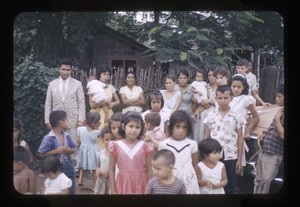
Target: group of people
(190,140)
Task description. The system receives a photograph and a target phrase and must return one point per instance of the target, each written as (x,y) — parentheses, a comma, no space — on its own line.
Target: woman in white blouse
(132,96)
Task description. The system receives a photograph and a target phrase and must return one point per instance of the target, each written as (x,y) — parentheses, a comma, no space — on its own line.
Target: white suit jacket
(74,103)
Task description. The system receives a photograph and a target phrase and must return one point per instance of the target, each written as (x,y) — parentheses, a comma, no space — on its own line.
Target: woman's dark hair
(180,116)
(156,95)
(171,77)
(183,72)
(102,69)
(131,116)
(207,146)
(134,75)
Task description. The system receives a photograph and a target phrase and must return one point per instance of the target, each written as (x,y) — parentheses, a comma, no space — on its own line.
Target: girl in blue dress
(89,149)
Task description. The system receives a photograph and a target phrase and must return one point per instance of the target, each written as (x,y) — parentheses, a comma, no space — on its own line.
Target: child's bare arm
(240,143)
(252,122)
(178,103)
(256,96)
(149,167)
(195,160)
(153,141)
(65,191)
(112,170)
(207,131)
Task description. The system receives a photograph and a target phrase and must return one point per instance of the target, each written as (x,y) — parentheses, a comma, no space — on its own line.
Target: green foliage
(30,84)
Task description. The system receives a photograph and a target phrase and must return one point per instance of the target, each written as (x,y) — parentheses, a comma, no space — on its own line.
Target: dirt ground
(87,187)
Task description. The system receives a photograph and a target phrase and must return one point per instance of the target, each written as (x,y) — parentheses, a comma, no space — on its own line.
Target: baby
(96,89)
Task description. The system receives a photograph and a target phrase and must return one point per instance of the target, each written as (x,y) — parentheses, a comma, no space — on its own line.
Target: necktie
(63,90)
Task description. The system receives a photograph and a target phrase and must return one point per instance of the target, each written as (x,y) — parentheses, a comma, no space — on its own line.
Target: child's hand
(195,117)
(260,135)
(61,150)
(238,167)
(266,104)
(209,184)
(105,175)
(147,139)
(98,172)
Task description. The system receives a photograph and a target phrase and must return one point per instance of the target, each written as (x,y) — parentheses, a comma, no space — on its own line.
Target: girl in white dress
(212,174)
(102,185)
(57,182)
(184,149)
(242,103)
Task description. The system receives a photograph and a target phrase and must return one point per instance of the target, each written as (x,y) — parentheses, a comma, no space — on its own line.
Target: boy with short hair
(241,68)
(60,144)
(225,125)
(271,157)
(164,182)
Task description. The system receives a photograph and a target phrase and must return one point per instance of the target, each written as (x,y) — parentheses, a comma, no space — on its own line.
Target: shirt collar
(67,80)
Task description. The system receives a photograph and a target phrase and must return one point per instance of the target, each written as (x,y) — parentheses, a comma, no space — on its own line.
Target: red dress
(131,158)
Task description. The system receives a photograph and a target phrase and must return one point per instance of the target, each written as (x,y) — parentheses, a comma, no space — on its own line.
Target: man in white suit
(66,93)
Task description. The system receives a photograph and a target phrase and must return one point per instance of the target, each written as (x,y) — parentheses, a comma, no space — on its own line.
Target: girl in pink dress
(132,155)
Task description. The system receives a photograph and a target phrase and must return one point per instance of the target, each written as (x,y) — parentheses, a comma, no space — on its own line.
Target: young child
(153,132)
(59,144)
(271,157)
(57,182)
(225,125)
(132,155)
(96,89)
(199,86)
(212,174)
(24,178)
(164,182)
(184,149)
(251,77)
(199,90)
(241,68)
(87,157)
(17,141)
(102,185)
(155,104)
(114,124)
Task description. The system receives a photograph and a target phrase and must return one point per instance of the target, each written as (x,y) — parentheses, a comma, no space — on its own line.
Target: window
(129,65)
